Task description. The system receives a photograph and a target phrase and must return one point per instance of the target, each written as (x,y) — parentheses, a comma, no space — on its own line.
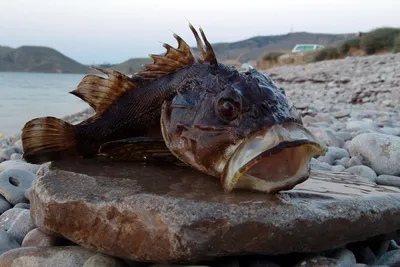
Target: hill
(131,65)
(44,59)
(253,48)
(38,59)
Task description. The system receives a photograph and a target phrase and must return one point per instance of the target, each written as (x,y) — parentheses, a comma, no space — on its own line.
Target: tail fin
(47,139)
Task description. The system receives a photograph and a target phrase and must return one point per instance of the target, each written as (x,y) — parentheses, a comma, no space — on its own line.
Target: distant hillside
(44,59)
(253,48)
(132,65)
(38,59)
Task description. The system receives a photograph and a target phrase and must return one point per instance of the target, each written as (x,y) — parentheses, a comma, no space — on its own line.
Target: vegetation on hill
(253,48)
(38,59)
(379,40)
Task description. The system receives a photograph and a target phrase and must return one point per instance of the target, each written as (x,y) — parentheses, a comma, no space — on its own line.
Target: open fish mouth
(271,160)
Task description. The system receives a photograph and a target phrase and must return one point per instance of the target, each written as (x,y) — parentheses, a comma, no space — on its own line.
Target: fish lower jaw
(251,182)
(271,161)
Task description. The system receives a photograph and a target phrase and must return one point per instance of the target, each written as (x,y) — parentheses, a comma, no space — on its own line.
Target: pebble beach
(352,105)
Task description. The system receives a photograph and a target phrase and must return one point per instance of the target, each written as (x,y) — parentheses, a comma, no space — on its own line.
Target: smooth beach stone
(325,135)
(18,164)
(338,168)
(389,180)
(338,153)
(364,254)
(101,260)
(318,261)
(346,136)
(360,126)
(21,225)
(6,153)
(8,217)
(344,257)
(4,205)
(390,258)
(343,161)
(15,156)
(363,171)
(68,256)
(328,158)
(182,215)
(26,206)
(354,161)
(7,242)
(379,151)
(13,183)
(38,238)
(27,194)
(318,165)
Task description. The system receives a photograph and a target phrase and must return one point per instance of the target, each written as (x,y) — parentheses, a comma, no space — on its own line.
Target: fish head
(240,127)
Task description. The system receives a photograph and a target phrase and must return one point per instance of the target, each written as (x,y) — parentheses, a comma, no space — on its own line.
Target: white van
(306,47)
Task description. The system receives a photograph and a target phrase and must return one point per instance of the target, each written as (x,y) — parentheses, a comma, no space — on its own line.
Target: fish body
(237,126)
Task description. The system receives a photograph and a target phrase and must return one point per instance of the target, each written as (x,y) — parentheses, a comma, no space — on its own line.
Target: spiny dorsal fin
(177,58)
(99,92)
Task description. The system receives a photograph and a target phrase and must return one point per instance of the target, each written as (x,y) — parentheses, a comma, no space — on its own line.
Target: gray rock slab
(167,213)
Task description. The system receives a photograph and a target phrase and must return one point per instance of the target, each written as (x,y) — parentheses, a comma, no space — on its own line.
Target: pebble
(101,260)
(343,161)
(18,164)
(7,152)
(344,135)
(26,206)
(8,218)
(363,171)
(13,183)
(379,151)
(68,256)
(388,180)
(344,257)
(328,158)
(326,135)
(21,225)
(7,242)
(4,205)
(338,153)
(361,126)
(390,258)
(318,261)
(354,161)
(16,156)
(391,130)
(38,238)
(318,165)
(364,254)
(338,168)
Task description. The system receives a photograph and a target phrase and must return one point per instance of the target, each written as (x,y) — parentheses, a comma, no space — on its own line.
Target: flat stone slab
(167,213)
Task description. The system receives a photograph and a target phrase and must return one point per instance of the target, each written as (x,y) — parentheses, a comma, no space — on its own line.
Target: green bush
(379,40)
(330,52)
(396,45)
(272,56)
(345,47)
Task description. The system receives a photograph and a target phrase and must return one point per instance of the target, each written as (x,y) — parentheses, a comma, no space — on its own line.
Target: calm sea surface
(24,96)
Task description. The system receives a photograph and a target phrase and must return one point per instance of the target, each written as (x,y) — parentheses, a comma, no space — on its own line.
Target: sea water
(24,96)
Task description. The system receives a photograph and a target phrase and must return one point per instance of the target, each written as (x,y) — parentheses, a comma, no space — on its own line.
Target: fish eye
(228,109)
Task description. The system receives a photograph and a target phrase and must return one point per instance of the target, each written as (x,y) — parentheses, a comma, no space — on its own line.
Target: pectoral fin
(137,149)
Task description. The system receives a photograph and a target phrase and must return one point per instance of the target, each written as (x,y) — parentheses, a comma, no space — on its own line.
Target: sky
(96,31)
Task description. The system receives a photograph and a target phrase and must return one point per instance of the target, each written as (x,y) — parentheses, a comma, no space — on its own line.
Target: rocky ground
(351,105)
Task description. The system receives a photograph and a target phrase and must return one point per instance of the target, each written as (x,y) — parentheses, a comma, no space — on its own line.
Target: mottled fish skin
(215,110)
